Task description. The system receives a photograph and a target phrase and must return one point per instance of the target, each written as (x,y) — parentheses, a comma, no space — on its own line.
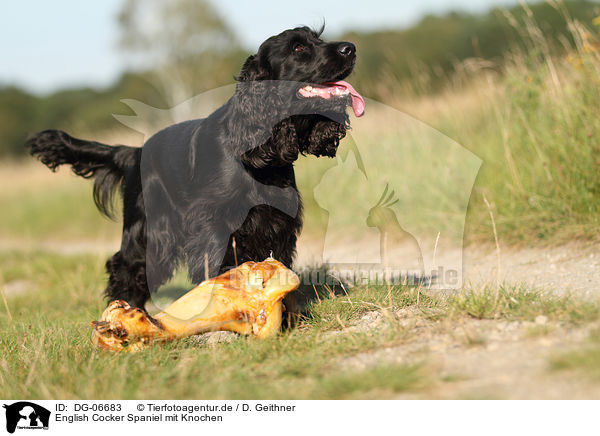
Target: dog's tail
(106,164)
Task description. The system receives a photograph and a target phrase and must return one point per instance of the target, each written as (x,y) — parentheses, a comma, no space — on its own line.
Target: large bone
(245,300)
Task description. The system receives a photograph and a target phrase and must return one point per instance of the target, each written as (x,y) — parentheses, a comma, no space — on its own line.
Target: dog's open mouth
(335,89)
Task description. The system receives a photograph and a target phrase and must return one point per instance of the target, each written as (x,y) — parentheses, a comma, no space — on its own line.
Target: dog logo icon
(385,219)
(26,415)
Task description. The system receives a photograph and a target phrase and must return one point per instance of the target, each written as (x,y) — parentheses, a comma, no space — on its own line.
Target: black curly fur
(206,181)
(88,159)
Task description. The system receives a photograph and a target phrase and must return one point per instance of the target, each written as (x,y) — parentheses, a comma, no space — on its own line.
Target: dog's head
(297,77)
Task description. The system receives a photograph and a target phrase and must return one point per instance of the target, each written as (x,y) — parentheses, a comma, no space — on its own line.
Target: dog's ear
(257,102)
(255,68)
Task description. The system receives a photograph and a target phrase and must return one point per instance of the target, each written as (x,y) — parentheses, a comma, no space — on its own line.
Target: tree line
(420,58)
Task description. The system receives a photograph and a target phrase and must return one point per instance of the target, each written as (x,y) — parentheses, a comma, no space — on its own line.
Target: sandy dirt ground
(573,267)
(484,359)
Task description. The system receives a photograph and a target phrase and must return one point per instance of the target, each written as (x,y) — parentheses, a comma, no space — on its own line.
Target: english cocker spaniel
(221,189)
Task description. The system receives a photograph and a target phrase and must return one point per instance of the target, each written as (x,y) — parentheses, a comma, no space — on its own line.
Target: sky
(48,45)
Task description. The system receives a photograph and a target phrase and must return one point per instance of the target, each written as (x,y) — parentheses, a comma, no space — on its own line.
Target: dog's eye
(299,48)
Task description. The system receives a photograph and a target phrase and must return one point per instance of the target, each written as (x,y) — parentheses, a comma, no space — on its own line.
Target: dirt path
(492,359)
(573,267)
(569,268)
(471,358)
(91,246)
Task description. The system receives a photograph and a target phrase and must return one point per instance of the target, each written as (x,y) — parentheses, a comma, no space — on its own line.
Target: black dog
(196,185)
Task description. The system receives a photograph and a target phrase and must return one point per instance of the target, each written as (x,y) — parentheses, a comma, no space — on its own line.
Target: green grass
(57,361)
(540,146)
(521,303)
(536,126)
(37,204)
(537,131)
(342,310)
(46,352)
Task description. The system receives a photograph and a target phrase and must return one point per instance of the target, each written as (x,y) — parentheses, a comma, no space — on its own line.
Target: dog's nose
(346,49)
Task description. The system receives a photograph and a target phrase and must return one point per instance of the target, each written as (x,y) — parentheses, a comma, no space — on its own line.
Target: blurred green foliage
(83,110)
(423,57)
(420,58)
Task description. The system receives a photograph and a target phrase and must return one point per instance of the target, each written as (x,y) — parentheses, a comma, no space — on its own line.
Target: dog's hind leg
(133,276)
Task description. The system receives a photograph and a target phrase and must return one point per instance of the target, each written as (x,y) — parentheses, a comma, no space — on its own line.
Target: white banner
(150,417)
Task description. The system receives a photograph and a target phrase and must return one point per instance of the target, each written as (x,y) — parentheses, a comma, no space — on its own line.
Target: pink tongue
(358,103)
